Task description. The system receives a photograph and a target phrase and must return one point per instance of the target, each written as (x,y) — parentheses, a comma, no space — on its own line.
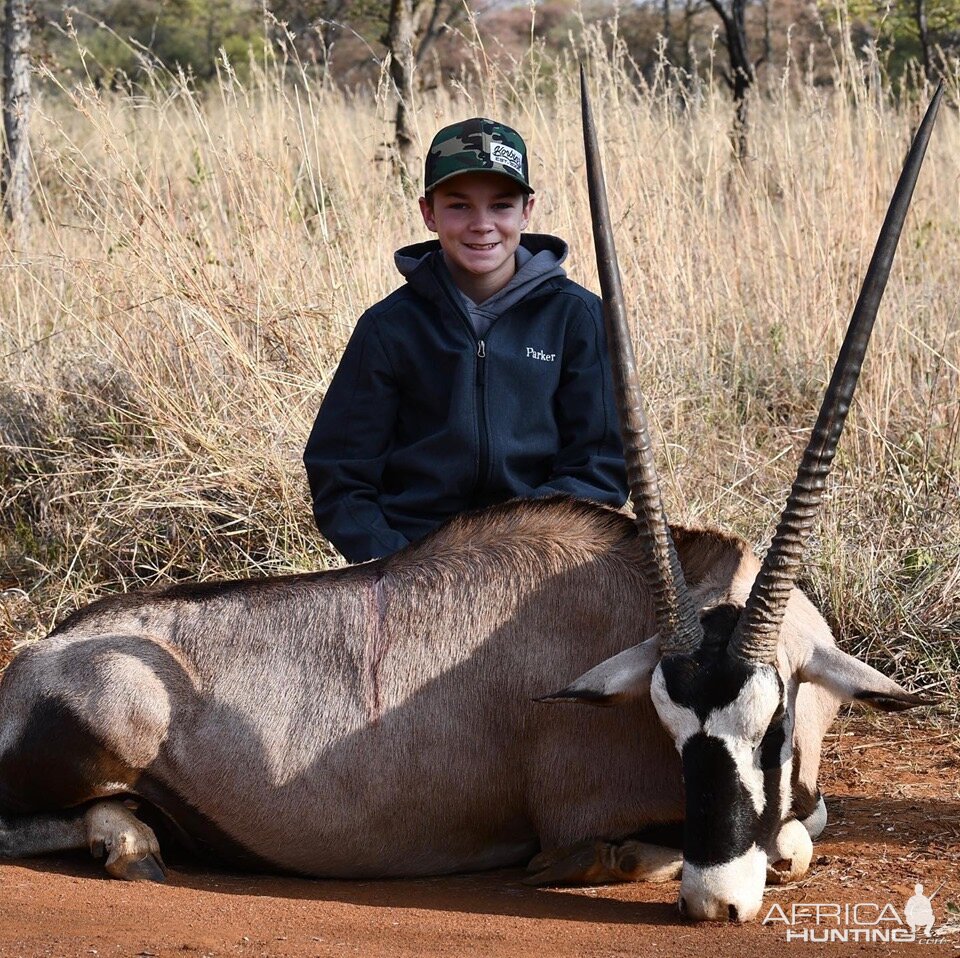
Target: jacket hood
(421,264)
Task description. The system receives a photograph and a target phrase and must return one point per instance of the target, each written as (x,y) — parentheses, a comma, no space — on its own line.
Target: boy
(484,378)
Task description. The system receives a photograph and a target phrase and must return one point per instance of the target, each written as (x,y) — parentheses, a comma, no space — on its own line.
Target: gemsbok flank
(379,720)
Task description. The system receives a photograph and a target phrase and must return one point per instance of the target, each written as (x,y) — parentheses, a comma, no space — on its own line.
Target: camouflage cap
(476,145)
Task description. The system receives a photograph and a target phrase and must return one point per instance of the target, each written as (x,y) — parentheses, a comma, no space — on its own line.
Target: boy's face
(478,218)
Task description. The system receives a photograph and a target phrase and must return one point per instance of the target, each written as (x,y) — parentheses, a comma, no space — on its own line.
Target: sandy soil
(895,812)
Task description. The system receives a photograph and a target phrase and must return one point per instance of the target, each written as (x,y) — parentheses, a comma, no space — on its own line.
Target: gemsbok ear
(622,678)
(851,680)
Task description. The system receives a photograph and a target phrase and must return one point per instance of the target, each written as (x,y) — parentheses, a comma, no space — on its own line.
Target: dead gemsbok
(380,720)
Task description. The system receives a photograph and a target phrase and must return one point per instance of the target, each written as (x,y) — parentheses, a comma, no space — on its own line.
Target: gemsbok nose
(728,892)
(718,909)
(715,911)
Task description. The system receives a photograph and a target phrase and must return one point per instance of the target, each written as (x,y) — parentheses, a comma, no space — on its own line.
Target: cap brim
(510,176)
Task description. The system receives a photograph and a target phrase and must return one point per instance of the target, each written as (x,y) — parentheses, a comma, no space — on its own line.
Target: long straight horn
(677,619)
(758,630)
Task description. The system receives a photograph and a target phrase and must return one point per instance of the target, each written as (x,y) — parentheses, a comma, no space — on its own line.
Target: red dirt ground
(894,799)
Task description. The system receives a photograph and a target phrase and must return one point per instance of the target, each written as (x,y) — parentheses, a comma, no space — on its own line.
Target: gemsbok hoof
(149,868)
(596,863)
(579,864)
(131,847)
(791,859)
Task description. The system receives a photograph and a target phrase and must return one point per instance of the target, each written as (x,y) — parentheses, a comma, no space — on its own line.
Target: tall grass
(199,260)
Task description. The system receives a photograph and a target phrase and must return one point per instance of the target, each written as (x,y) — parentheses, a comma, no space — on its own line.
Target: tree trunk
(689,10)
(400,42)
(920,12)
(666,28)
(767,57)
(413,27)
(741,75)
(16,112)
(432,30)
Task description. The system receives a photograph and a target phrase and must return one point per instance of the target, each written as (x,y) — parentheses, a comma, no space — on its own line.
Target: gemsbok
(382,719)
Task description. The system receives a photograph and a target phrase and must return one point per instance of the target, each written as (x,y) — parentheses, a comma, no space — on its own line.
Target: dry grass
(199,260)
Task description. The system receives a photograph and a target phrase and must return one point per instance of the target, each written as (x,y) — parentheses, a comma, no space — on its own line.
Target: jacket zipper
(483,450)
(483,454)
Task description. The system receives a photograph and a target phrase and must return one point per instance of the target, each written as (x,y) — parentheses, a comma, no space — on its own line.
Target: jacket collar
(420,263)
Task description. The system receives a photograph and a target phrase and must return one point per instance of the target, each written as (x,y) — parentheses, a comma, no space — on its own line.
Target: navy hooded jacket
(423,419)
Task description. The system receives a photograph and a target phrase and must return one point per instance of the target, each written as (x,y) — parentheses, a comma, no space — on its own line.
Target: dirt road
(894,799)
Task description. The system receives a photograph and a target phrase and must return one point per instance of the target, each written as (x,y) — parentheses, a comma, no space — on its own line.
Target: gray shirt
(532,270)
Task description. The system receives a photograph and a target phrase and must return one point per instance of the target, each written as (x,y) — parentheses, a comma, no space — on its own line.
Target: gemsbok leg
(596,863)
(72,750)
(106,828)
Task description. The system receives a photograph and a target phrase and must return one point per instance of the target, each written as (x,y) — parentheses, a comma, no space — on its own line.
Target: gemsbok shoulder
(388,719)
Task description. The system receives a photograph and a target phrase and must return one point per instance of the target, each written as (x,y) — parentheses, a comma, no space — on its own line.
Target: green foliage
(113,42)
(894,28)
(109,40)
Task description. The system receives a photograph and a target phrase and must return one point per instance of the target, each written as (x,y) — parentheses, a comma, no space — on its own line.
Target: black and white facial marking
(730,723)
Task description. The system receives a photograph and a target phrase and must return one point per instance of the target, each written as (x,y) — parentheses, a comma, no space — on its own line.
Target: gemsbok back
(387,719)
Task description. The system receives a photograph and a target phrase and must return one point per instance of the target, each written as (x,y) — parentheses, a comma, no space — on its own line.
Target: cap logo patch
(507,156)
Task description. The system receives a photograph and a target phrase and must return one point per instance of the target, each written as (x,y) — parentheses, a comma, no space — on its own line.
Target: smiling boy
(479,252)
(484,378)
